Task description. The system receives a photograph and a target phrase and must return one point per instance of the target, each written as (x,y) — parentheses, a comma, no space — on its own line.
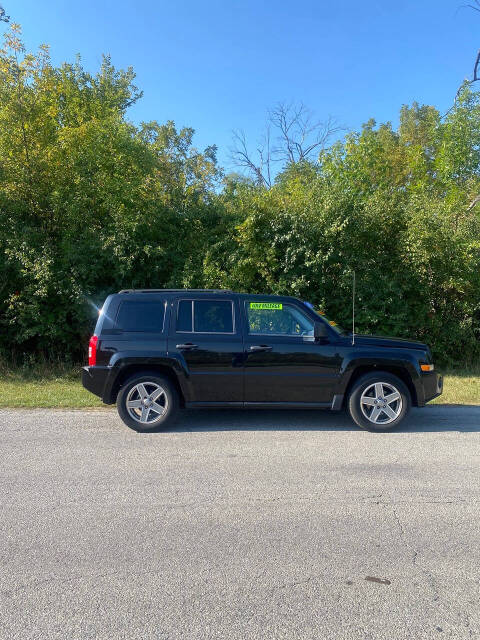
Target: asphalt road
(239,525)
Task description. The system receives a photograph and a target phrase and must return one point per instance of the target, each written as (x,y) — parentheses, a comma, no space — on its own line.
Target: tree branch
(475,201)
(241,158)
(299,136)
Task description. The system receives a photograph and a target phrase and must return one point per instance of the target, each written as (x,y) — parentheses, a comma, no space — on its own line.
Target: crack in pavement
(465,617)
(426,572)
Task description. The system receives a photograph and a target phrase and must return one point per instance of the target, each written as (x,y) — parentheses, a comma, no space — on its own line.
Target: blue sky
(217,66)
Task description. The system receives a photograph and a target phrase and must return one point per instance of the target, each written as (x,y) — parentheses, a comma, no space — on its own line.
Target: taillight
(92,351)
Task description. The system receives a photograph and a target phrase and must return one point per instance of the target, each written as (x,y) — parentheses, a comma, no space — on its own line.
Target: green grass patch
(45,386)
(59,386)
(460,387)
(58,393)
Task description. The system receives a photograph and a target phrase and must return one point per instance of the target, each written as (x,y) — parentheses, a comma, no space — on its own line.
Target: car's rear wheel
(379,401)
(147,402)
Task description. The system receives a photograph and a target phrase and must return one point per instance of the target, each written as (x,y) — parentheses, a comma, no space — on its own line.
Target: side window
(206,316)
(213,316)
(269,318)
(184,316)
(145,316)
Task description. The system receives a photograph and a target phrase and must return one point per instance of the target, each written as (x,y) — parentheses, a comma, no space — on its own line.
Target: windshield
(336,327)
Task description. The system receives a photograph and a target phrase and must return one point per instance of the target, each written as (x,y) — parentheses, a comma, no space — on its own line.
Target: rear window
(205,316)
(141,316)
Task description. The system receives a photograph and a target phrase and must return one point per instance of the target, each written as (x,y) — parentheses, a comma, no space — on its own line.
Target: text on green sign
(266,305)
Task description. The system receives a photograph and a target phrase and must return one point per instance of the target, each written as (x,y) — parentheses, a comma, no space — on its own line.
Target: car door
(206,336)
(283,361)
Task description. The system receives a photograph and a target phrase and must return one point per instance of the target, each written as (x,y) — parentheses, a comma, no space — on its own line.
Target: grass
(59,386)
(460,387)
(46,393)
(56,386)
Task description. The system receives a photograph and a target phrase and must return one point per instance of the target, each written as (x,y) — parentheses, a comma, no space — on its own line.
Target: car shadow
(433,418)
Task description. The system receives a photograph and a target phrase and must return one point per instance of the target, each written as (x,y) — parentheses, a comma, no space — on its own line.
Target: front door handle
(188,346)
(260,347)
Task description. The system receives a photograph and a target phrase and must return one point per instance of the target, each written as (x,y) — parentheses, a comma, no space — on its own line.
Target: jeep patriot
(157,350)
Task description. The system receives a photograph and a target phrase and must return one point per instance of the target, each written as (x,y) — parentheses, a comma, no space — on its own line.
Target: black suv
(154,351)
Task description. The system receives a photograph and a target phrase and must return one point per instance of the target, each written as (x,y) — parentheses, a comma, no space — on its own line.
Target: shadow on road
(434,418)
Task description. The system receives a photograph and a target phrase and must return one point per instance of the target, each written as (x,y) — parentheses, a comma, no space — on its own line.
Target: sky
(220,65)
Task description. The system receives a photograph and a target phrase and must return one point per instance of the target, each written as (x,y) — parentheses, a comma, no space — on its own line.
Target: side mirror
(320,331)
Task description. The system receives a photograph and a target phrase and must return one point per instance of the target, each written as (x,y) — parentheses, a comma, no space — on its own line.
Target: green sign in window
(266,305)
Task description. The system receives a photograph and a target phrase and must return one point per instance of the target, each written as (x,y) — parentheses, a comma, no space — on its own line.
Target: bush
(90,203)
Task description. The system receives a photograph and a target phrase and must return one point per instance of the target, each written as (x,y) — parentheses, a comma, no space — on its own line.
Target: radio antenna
(353,309)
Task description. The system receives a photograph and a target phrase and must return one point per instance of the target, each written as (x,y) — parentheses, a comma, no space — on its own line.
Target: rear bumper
(94,379)
(432,385)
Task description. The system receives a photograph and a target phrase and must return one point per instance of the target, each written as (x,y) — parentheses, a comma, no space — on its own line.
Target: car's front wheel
(379,401)
(147,402)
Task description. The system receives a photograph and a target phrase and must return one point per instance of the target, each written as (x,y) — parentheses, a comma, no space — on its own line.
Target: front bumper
(94,379)
(432,385)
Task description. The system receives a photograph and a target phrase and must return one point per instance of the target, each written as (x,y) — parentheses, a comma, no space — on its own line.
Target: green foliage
(90,203)
(393,206)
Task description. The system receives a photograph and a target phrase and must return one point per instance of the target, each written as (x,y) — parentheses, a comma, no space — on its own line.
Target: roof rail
(175,290)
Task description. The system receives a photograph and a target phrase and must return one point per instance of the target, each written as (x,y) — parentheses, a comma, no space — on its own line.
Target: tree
(89,203)
(292,136)
(391,204)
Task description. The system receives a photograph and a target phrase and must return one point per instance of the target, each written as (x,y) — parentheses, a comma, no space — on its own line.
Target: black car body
(218,348)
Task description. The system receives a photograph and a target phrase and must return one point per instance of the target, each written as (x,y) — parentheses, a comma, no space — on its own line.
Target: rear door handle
(260,347)
(188,346)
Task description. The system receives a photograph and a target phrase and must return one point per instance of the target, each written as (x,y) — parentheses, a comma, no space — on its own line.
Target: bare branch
(475,7)
(299,133)
(241,158)
(298,136)
(476,66)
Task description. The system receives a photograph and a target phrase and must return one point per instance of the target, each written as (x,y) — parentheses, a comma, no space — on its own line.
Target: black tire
(151,382)
(359,409)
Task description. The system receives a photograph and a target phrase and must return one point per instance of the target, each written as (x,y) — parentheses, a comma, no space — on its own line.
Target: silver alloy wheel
(147,402)
(381,403)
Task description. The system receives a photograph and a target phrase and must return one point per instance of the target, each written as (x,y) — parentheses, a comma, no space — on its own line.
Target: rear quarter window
(146,316)
(205,316)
